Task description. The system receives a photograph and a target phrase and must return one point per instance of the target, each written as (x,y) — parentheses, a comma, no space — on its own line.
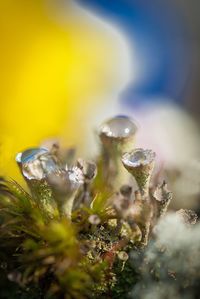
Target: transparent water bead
(30,154)
(138,157)
(65,185)
(118,127)
(66,181)
(37,163)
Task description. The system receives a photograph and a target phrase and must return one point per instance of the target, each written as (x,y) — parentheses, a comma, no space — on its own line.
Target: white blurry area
(175,249)
(173,134)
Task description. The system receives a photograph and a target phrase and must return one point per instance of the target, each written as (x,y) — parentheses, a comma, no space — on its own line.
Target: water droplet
(118,127)
(30,155)
(65,182)
(36,163)
(138,157)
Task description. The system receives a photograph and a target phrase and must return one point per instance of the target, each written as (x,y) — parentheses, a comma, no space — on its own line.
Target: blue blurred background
(163,35)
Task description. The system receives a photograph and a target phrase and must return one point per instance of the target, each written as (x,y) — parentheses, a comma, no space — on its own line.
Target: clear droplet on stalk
(30,155)
(118,127)
(66,182)
(37,163)
(138,157)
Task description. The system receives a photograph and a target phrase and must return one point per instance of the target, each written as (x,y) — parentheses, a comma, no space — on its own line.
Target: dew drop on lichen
(138,157)
(36,163)
(118,127)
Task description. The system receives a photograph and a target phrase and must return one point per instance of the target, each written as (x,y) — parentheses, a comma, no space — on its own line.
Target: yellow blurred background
(52,68)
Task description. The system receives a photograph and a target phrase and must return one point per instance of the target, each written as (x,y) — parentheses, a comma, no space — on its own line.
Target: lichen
(72,234)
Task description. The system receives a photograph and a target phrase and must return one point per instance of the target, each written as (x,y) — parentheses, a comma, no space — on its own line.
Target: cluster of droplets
(41,166)
(117,135)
